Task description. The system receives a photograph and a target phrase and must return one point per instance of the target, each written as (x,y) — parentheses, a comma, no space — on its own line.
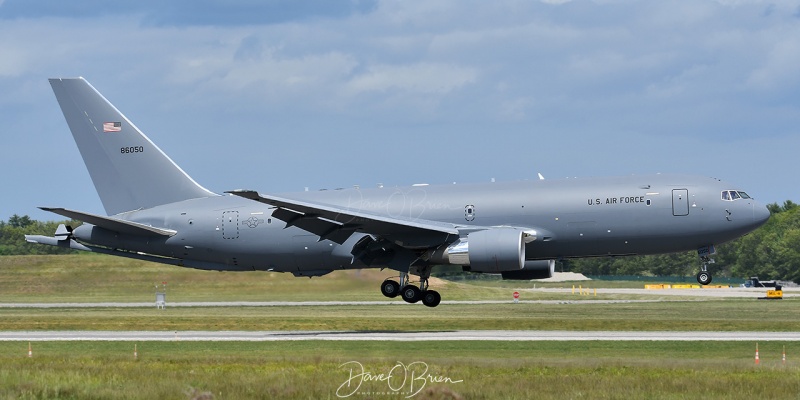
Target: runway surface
(302,303)
(729,292)
(656,296)
(456,335)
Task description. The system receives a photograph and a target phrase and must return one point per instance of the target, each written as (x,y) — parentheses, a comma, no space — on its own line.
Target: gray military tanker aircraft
(156,212)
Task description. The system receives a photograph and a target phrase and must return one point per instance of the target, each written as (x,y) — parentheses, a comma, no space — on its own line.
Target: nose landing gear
(704,277)
(705,253)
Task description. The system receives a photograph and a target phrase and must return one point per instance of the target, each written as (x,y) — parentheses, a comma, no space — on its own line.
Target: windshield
(732,195)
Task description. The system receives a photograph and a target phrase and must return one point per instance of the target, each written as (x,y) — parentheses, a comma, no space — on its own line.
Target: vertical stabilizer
(128,170)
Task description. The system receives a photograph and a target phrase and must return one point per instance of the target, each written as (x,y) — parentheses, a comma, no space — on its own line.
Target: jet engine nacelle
(534,269)
(492,250)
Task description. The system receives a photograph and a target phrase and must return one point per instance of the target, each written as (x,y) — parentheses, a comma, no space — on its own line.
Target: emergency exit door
(230,225)
(680,202)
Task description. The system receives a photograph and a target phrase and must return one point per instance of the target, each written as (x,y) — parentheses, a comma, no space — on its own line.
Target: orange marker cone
(757,360)
(783,358)
(30,350)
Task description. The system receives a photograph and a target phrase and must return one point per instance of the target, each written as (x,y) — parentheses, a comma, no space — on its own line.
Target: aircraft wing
(338,223)
(112,224)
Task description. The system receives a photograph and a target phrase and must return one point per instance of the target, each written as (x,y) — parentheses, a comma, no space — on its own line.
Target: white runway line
(456,335)
(300,303)
(686,294)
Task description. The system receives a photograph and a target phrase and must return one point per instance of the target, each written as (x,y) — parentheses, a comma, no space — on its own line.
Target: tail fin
(128,170)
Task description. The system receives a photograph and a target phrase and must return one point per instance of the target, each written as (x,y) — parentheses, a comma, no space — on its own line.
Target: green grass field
(99,278)
(92,278)
(712,315)
(313,370)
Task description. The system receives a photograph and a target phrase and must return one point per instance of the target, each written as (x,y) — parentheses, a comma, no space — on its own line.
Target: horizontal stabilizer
(55,241)
(112,224)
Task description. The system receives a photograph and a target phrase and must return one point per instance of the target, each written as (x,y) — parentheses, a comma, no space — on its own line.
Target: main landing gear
(411,293)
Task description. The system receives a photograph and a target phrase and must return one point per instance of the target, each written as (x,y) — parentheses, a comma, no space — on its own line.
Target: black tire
(431,298)
(411,294)
(703,278)
(390,288)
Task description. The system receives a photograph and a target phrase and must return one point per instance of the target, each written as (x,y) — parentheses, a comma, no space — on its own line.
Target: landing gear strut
(704,277)
(411,293)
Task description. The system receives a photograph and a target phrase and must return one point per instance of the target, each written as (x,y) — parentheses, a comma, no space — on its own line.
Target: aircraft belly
(274,248)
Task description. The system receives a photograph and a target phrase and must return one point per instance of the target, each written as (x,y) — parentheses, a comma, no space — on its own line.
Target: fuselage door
(680,202)
(230,225)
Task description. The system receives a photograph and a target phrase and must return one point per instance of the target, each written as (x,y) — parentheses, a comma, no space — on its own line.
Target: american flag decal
(112,126)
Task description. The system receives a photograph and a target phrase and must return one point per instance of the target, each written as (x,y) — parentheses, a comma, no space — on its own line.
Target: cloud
(424,78)
(347,77)
(779,67)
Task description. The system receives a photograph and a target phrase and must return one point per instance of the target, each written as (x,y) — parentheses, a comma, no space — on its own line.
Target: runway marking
(303,303)
(680,294)
(396,336)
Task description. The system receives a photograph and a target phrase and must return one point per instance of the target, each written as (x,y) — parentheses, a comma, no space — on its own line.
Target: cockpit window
(731,195)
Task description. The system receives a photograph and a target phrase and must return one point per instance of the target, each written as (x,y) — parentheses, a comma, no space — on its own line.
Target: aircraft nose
(760,214)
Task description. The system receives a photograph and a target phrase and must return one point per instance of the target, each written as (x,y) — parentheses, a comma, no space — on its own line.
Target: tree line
(13,231)
(770,252)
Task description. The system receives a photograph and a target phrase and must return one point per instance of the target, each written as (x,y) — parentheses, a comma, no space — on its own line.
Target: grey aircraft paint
(158,213)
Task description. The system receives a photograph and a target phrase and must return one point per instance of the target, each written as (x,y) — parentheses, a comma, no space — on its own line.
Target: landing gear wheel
(431,298)
(390,288)
(703,278)
(411,294)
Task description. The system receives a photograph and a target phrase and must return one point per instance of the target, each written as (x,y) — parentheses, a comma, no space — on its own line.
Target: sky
(278,96)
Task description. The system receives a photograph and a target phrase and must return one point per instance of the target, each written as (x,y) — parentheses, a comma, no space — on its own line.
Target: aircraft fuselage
(585,217)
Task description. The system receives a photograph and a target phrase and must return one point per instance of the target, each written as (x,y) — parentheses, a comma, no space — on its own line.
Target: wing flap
(324,228)
(338,223)
(112,224)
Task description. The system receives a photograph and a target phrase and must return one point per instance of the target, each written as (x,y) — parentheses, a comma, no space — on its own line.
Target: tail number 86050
(132,149)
